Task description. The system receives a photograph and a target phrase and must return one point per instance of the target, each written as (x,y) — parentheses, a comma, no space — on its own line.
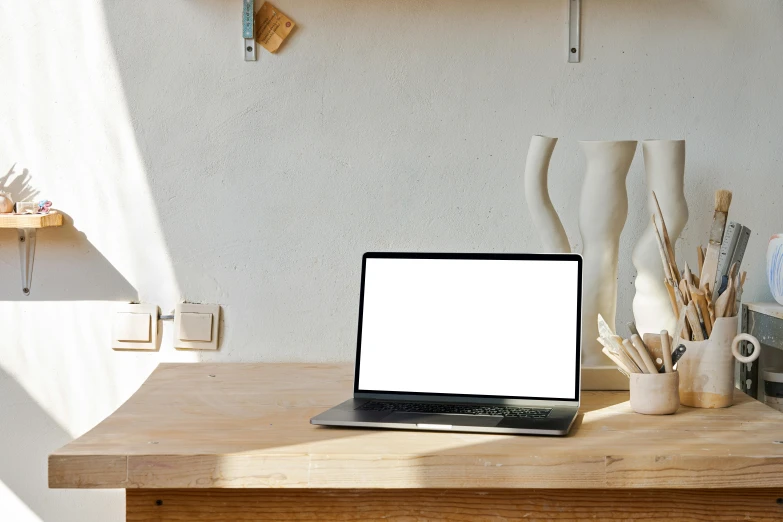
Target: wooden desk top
(247,426)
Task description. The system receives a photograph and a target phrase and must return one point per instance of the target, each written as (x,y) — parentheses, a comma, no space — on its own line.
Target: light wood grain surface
(247,426)
(406,505)
(52,219)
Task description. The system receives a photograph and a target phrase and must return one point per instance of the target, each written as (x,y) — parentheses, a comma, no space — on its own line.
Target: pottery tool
(634,354)
(677,354)
(679,331)
(666,241)
(724,305)
(666,351)
(621,355)
(248,13)
(700,298)
(710,268)
(637,343)
(669,270)
(684,290)
(700,257)
(687,275)
(608,335)
(653,343)
(672,298)
(693,319)
(620,364)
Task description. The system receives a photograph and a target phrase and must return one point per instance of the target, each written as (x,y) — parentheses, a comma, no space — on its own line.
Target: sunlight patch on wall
(14,509)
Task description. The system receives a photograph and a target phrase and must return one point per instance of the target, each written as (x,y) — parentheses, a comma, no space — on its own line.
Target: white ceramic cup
(707,367)
(655,393)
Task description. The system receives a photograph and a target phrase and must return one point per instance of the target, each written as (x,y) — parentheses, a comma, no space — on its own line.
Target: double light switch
(137,327)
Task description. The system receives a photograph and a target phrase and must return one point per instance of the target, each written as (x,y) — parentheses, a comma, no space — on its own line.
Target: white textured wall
(399,125)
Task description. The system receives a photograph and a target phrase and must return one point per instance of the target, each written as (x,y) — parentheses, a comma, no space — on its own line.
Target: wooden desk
(224,442)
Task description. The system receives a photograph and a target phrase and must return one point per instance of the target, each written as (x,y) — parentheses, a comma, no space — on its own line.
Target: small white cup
(655,393)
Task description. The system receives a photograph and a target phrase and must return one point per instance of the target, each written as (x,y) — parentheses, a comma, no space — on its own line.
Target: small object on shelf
(26,207)
(6,203)
(43,206)
(773,388)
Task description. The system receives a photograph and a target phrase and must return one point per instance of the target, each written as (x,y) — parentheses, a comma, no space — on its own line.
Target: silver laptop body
(485,343)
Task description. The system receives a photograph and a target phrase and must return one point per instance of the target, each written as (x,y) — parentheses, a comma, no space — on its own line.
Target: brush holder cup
(655,393)
(707,368)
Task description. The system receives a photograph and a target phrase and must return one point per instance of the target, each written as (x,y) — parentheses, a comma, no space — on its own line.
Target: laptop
(485,343)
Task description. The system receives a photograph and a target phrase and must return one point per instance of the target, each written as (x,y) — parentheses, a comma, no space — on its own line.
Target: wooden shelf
(52,219)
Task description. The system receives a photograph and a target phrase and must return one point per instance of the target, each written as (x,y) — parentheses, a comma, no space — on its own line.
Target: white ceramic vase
(775,267)
(603,210)
(545,218)
(664,165)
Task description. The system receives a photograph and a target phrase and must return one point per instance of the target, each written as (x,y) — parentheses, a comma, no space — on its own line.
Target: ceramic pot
(664,167)
(775,267)
(6,203)
(655,393)
(707,368)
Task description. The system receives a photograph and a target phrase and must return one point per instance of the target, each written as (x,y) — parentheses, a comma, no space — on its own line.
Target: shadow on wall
(23,470)
(68,267)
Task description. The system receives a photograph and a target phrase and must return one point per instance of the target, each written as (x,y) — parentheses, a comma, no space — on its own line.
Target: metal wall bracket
(574,30)
(26,256)
(248,31)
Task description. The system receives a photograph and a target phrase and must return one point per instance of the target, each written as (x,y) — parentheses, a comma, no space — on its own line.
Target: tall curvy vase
(545,219)
(602,213)
(664,166)
(775,267)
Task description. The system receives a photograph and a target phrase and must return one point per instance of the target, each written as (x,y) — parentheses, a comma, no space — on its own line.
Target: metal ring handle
(752,340)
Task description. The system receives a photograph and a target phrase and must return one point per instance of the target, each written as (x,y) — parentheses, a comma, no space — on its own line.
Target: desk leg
(235,505)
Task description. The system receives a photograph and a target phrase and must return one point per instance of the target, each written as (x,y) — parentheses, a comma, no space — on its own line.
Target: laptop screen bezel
(453,397)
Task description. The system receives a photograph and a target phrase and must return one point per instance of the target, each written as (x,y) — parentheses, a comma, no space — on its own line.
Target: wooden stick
(633,354)
(685,291)
(672,298)
(680,329)
(693,319)
(666,352)
(620,364)
(722,203)
(700,298)
(700,257)
(687,275)
(637,343)
(621,355)
(722,308)
(666,241)
(667,268)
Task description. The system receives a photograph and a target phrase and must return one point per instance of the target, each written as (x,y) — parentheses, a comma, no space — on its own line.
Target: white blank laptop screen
(470,327)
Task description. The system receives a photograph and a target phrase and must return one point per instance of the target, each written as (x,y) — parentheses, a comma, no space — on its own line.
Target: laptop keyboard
(460,409)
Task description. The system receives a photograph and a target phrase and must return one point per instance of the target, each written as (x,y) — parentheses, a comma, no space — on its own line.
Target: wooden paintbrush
(693,318)
(666,352)
(710,268)
(700,298)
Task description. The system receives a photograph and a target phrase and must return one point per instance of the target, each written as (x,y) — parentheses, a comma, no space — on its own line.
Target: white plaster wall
(400,125)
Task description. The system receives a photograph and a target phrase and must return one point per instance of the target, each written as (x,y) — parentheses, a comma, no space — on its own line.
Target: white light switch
(135,327)
(196,326)
(132,327)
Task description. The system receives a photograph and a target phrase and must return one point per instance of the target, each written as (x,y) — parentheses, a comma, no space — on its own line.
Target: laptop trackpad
(453,420)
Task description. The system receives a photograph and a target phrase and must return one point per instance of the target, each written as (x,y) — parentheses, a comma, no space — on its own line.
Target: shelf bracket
(574,30)
(248,13)
(26,256)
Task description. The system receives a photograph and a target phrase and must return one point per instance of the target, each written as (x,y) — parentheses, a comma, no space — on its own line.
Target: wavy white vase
(602,213)
(664,166)
(545,218)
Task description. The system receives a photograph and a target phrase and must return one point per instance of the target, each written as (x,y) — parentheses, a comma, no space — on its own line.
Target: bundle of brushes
(697,301)
(651,354)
